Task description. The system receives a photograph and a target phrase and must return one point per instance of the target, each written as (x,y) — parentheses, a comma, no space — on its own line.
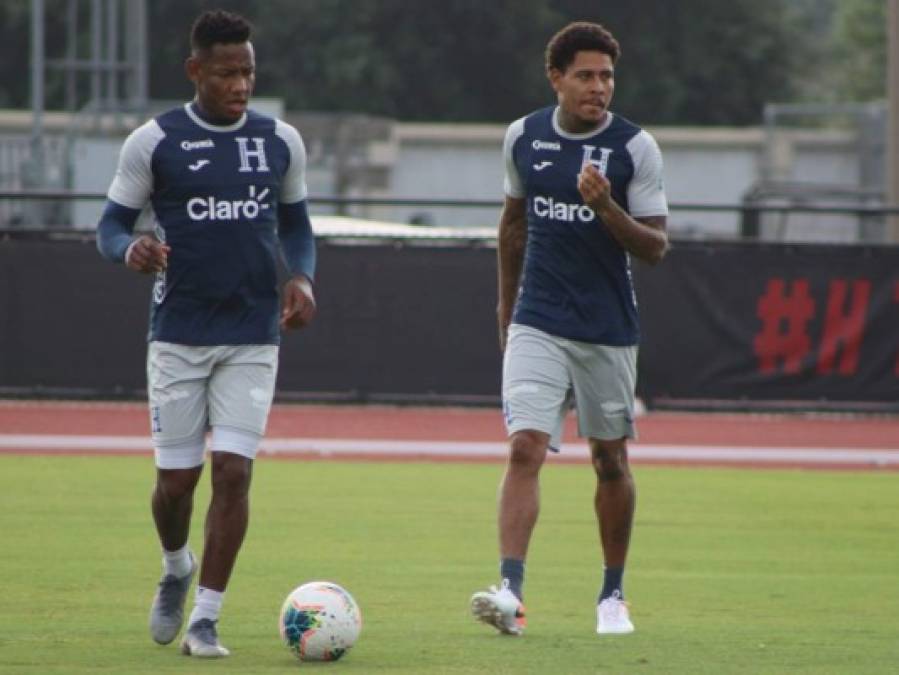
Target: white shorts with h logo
(192,388)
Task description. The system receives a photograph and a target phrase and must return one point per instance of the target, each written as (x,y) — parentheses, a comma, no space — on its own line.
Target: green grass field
(730,571)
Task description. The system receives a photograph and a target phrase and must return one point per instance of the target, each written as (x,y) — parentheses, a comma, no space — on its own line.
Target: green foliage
(14,48)
(847,50)
(860,48)
(690,62)
(755,572)
(696,62)
(460,60)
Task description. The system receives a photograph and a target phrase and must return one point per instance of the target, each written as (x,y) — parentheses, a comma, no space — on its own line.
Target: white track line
(335,447)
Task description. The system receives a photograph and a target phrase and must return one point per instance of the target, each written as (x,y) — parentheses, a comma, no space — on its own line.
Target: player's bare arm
(511,242)
(147,255)
(644,238)
(297,303)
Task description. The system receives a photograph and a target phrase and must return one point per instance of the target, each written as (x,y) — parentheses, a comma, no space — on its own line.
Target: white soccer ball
(320,621)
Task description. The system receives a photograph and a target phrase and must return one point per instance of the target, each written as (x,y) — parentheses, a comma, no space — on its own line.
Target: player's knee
(609,460)
(177,484)
(527,450)
(231,474)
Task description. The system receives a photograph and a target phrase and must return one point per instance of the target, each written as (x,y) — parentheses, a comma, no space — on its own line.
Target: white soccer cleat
(613,616)
(500,608)
(201,639)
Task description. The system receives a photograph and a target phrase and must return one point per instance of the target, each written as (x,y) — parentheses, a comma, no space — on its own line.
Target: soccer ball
(319,621)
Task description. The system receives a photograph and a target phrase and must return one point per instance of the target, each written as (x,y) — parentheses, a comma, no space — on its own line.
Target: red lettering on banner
(844,328)
(785,317)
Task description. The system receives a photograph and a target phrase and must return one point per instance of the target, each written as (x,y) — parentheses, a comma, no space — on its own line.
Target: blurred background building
(820,163)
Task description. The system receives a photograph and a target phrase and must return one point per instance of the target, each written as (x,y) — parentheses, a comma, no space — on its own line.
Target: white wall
(707,166)
(463,161)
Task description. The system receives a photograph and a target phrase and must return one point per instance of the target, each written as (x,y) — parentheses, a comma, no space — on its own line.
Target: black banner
(395,323)
(733,323)
(764,322)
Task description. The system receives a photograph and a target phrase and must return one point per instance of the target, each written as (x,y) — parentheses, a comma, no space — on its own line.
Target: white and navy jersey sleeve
(132,185)
(513,185)
(293,186)
(646,190)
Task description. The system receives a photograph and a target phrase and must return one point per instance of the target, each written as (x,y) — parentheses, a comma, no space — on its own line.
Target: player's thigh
(242,387)
(177,377)
(536,383)
(604,380)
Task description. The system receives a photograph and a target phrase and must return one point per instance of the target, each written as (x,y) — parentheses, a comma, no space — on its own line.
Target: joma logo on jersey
(547,207)
(211,208)
(258,153)
(187,146)
(602,163)
(546,145)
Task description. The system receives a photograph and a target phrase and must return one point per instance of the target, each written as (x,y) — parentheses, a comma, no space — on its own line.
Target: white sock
(207,605)
(176,562)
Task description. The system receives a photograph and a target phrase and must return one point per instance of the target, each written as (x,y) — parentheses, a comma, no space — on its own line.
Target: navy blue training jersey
(214,191)
(576,280)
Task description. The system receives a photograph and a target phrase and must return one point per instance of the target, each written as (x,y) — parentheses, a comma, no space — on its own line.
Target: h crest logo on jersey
(602,163)
(243,145)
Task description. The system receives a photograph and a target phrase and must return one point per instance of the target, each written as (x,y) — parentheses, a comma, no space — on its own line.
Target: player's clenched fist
(297,303)
(147,255)
(593,186)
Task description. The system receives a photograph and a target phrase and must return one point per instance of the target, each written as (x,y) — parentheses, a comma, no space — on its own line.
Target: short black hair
(218,27)
(579,36)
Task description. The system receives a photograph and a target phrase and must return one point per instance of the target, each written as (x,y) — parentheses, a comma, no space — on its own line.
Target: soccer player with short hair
(227,189)
(584,192)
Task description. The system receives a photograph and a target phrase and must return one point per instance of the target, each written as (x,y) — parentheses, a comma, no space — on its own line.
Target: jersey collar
(199,121)
(584,136)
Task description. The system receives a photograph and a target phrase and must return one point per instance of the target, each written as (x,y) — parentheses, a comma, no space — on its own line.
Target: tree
(695,62)
(700,61)
(860,39)
(14,18)
(456,60)
(686,62)
(15,54)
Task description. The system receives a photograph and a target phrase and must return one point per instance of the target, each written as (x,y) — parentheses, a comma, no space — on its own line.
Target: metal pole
(96,55)
(136,56)
(893,125)
(112,55)
(37,69)
(72,56)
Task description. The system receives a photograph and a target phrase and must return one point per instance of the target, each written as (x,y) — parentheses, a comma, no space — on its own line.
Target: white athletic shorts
(227,388)
(543,375)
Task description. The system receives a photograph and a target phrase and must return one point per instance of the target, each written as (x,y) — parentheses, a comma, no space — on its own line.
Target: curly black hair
(576,37)
(218,27)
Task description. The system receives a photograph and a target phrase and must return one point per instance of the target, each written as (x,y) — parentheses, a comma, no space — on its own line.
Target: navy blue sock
(513,570)
(611,582)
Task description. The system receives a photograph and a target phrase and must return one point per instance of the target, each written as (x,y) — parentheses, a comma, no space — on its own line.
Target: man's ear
(554,75)
(192,68)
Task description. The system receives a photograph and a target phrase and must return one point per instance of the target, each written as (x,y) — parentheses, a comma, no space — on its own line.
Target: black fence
(724,325)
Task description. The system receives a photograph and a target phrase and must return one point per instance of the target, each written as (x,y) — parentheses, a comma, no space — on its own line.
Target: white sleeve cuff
(128,251)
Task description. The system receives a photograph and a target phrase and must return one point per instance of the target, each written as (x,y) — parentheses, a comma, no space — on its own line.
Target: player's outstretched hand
(148,255)
(297,303)
(593,186)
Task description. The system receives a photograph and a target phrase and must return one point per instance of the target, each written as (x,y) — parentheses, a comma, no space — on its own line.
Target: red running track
(445,426)
(467,424)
